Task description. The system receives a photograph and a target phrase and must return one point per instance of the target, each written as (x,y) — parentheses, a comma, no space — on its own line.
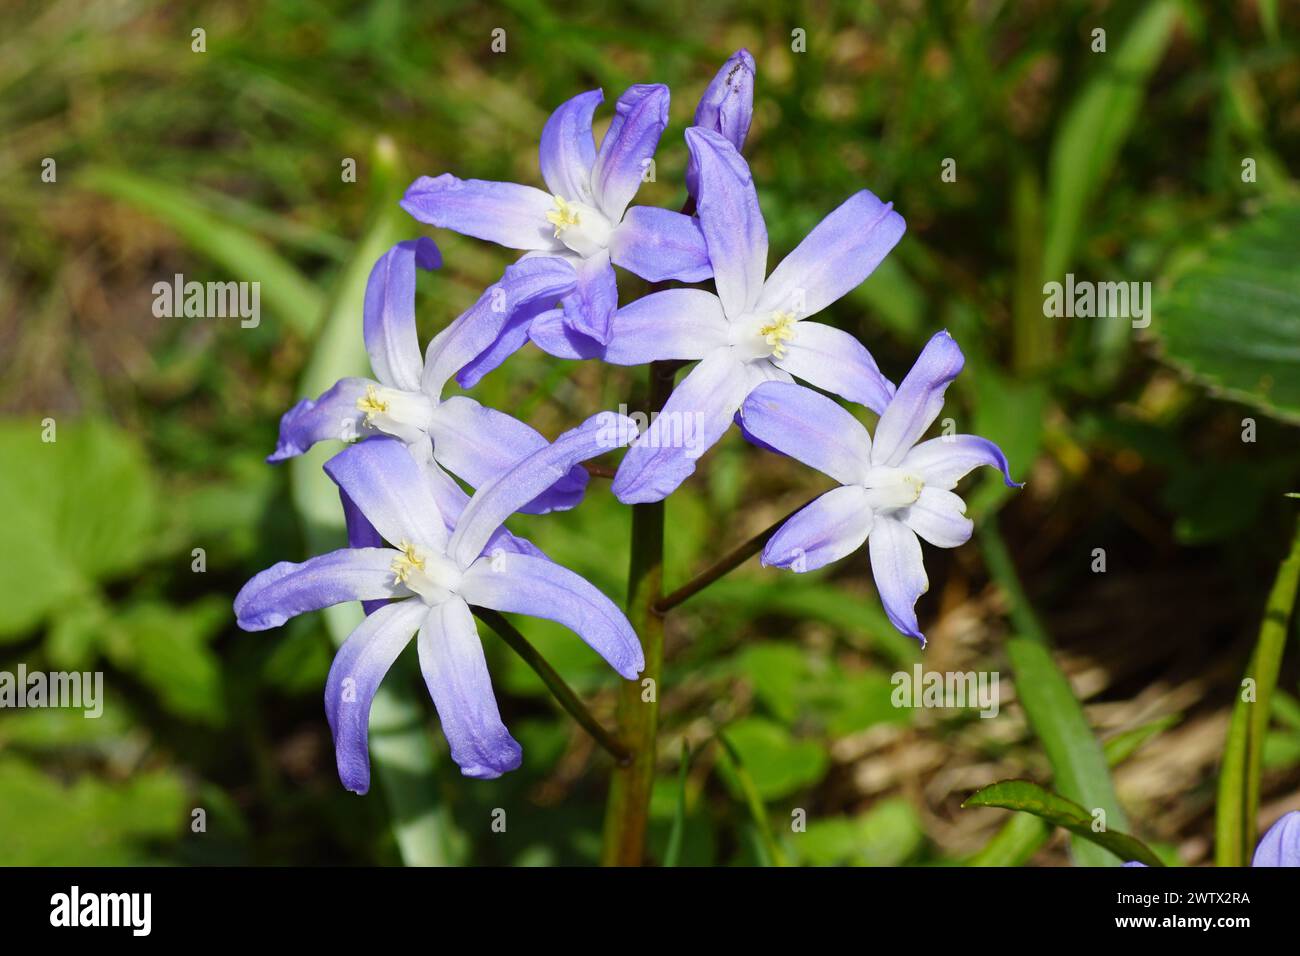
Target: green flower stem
(554,682)
(628,809)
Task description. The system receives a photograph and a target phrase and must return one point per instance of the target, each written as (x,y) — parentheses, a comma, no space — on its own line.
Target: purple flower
(429,575)
(727,107)
(405,399)
(1280,845)
(753,330)
(582,217)
(892,489)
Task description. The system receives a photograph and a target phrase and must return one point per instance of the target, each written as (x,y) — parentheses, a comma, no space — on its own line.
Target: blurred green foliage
(1124,165)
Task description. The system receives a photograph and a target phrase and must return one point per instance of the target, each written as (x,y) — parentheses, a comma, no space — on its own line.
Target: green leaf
(674,851)
(1231,318)
(736,771)
(400,746)
(1122,746)
(1089,138)
(85,511)
(888,834)
(776,762)
(1030,798)
(89,822)
(1243,756)
(287,292)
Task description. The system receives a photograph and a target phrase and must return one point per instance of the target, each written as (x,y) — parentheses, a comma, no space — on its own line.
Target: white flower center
(889,489)
(393,411)
(763,335)
(582,228)
(434,577)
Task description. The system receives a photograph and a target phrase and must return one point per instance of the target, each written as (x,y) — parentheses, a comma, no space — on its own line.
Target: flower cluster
(422,551)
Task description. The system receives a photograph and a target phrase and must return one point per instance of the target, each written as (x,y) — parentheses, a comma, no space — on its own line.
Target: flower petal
(532,283)
(587,309)
(833,359)
(389,313)
(942,462)
(355,675)
(659,244)
(392,490)
(829,528)
(1280,846)
(481,444)
(541,588)
(568,149)
(508,214)
(493,503)
(361,534)
(332,416)
(513,337)
(899,570)
(455,671)
(727,106)
(452,500)
(287,589)
(810,428)
(841,251)
(629,147)
(731,219)
(918,401)
(939,517)
(674,324)
(696,415)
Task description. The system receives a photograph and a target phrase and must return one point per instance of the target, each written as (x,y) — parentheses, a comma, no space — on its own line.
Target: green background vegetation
(1116,686)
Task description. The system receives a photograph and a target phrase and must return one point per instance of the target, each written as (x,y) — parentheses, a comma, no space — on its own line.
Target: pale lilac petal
(392,490)
(939,517)
(389,314)
(810,428)
(493,503)
(831,527)
(659,244)
(918,401)
(358,668)
(727,106)
(287,589)
(899,571)
(587,310)
(841,251)
(333,416)
(452,500)
(532,283)
(696,415)
(834,360)
(568,149)
(552,333)
(513,337)
(942,462)
(731,219)
(508,214)
(629,147)
(674,324)
(481,444)
(541,588)
(455,671)
(1280,846)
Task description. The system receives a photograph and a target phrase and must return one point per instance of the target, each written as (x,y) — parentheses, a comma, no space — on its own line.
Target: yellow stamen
(779,331)
(409,561)
(371,404)
(562,216)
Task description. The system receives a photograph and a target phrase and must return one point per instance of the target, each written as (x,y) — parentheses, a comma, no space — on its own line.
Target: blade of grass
(674,851)
(1238,804)
(400,746)
(754,801)
(1078,763)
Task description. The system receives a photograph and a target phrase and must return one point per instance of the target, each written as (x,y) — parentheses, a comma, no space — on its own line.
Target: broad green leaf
(778,763)
(1243,756)
(1030,798)
(1231,318)
(84,511)
(888,834)
(88,822)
